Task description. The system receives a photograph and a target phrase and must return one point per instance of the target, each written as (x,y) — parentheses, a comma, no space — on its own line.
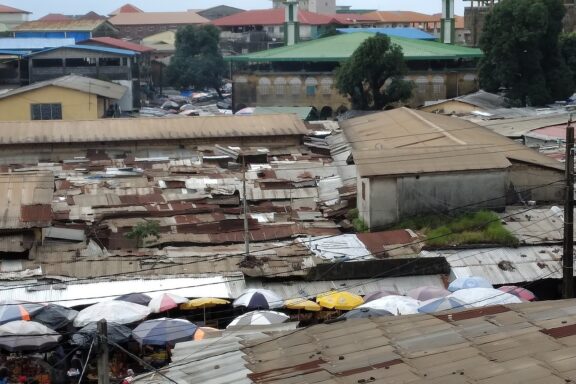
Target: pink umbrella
(519,292)
(378,294)
(427,293)
(165,302)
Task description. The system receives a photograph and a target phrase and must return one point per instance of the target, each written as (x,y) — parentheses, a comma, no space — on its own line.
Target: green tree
(522,55)
(568,49)
(197,61)
(373,76)
(144,230)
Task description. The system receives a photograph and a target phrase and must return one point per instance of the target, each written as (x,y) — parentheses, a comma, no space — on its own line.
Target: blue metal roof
(408,33)
(14,52)
(33,44)
(94,48)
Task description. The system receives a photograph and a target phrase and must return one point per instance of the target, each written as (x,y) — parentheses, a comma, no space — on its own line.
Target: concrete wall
(298,89)
(392,199)
(75,105)
(11,20)
(526,176)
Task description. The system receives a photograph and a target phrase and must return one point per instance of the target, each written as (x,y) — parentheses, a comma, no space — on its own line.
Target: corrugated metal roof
(59,25)
(408,33)
(516,127)
(403,141)
(537,226)
(505,266)
(275,16)
(72,294)
(24,200)
(118,43)
(77,83)
(153,18)
(149,129)
(93,48)
(7,9)
(34,43)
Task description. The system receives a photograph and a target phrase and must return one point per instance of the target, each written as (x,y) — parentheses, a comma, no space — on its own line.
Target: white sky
(42,7)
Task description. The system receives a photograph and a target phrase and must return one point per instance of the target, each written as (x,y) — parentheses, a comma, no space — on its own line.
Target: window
(109,61)
(326,86)
(279,86)
(264,86)
(295,85)
(81,62)
(311,84)
(46,111)
(363,191)
(46,63)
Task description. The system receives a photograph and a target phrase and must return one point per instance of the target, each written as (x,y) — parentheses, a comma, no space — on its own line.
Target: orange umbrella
(202,333)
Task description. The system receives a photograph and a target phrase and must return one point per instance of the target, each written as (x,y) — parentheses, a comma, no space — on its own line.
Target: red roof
(273,17)
(353,18)
(118,43)
(7,9)
(54,17)
(126,8)
(92,16)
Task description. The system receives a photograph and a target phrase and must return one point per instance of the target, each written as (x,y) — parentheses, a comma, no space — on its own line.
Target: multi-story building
(317,6)
(79,29)
(11,17)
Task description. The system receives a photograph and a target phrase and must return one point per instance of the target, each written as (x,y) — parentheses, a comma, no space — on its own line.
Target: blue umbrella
(441,304)
(164,331)
(116,333)
(469,282)
(136,298)
(12,310)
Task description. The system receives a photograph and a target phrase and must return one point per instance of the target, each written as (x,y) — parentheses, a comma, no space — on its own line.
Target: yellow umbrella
(339,300)
(203,302)
(299,304)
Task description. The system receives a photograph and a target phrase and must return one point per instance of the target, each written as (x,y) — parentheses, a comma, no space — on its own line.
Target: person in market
(129,378)
(75,368)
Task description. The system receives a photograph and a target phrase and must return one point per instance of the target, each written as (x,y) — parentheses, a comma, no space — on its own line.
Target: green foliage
(568,49)
(482,227)
(373,76)
(352,214)
(197,62)
(522,54)
(144,230)
(359,225)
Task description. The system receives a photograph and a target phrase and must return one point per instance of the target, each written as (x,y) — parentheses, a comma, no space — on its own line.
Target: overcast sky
(42,7)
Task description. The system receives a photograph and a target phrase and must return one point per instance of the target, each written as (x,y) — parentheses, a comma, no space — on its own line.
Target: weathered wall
(75,105)
(297,89)
(524,178)
(433,193)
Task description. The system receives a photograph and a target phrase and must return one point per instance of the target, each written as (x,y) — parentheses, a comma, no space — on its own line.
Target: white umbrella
(21,335)
(245,111)
(259,299)
(469,282)
(398,305)
(114,311)
(482,297)
(165,302)
(259,318)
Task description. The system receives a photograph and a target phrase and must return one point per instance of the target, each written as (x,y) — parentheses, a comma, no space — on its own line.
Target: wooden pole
(103,366)
(568,257)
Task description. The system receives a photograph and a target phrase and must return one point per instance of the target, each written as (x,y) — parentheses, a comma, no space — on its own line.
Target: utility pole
(568,257)
(245,209)
(103,367)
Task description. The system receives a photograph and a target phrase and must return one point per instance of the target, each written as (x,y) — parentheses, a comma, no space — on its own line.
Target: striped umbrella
(441,304)
(164,331)
(520,292)
(165,301)
(12,310)
(259,299)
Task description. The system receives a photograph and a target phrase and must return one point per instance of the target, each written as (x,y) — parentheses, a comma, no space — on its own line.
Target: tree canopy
(197,61)
(373,76)
(522,54)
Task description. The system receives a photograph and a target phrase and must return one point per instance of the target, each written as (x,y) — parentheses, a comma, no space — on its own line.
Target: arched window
(421,84)
(311,84)
(280,86)
(264,86)
(326,86)
(295,86)
(438,87)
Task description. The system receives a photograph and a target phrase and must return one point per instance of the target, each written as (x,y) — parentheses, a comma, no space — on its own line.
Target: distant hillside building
(218,12)
(11,17)
(137,25)
(317,6)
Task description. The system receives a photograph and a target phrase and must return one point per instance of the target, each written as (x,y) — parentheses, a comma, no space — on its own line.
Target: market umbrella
(378,294)
(339,300)
(302,304)
(114,311)
(54,316)
(427,293)
(398,305)
(136,298)
(469,282)
(259,318)
(204,332)
(116,333)
(482,297)
(164,331)
(259,299)
(22,335)
(203,303)
(363,313)
(245,111)
(441,304)
(165,302)
(11,310)
(520,292)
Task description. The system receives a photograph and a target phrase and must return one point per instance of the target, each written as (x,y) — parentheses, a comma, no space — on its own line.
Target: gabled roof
(94,48)
(118,43)
(274,16)
(54,17)
(126,8)
(60,25)
(481,99)
(404,141)
(92,16)
(402,17)
(77,83)
(7,9)
(353,18)
(154,18)
(341,47)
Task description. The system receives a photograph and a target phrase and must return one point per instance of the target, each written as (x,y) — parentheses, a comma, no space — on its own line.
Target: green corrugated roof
(341,47)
